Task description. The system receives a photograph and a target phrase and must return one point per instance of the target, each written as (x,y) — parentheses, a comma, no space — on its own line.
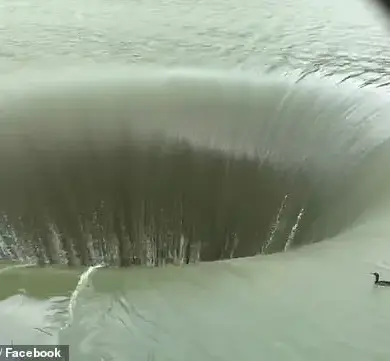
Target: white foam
(9,268)
(83,281)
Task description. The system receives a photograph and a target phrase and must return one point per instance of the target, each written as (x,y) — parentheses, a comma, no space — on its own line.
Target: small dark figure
(380,283)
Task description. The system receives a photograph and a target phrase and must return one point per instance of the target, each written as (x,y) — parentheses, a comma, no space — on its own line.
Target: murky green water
(313,35)
(317,303)
(312,303)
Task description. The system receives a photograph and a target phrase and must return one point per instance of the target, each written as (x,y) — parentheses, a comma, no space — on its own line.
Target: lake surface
(316,302)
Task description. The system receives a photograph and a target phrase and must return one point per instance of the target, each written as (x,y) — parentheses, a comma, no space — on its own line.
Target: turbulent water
(120,147)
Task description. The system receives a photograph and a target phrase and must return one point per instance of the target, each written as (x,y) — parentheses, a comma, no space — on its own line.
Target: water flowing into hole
(113,179)
(81,285)
(294,230)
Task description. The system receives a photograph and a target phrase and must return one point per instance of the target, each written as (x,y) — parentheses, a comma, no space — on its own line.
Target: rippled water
(324,145)
(305,35)
(318,303)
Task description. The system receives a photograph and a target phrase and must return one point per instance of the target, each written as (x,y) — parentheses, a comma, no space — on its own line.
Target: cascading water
(172,193)
(274,226)
(145,186)
(124,165)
